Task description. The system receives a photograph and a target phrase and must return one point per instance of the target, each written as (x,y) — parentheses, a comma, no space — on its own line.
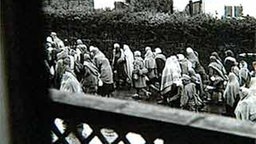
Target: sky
(210,5)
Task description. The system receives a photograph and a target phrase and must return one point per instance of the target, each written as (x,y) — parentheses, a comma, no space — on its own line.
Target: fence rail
(151,121)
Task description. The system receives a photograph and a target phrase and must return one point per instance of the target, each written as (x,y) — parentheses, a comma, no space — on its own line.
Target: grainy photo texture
(157,71)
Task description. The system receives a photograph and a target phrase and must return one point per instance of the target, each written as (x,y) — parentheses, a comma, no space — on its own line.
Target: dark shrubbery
(172,32)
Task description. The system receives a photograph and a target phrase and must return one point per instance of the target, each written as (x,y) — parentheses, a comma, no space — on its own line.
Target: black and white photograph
(128,72)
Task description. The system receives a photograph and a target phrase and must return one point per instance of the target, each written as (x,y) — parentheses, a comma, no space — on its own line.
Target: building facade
(233,11)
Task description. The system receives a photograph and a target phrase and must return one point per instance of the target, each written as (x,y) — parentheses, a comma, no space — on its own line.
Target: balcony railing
(173,126)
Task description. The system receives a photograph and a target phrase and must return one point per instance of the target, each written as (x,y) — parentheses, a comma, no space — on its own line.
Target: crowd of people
(180,80)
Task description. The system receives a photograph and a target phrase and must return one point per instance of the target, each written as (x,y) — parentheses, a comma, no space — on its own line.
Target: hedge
(172,32)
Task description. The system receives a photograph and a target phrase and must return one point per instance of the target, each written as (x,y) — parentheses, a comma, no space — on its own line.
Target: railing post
(254,39)
(200,7)
(4,124)
(190,7)
(172,7)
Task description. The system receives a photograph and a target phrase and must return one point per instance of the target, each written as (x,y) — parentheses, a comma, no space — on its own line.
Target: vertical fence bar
(190,7)
(4,124)
(254,39)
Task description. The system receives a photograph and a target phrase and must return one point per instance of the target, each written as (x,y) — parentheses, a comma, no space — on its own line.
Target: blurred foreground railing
(174,126)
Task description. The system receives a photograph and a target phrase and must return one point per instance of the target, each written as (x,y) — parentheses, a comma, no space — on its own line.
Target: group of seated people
(179,80)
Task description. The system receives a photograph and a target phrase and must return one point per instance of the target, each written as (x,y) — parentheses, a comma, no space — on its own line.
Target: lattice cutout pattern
(77,133)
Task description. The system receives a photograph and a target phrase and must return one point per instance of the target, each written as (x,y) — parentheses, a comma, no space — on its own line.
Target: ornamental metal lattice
(82,133)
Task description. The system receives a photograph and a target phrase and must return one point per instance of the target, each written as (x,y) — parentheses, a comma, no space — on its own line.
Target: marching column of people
(179,80)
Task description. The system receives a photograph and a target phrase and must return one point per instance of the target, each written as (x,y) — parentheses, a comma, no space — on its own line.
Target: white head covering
(244,92)
(189,50)
(126,48)
(192,57)
(116,45)
(186,77)
(147,48)
(149,52)
(137,54)
(49,39)
(79,41)
(235,70)
(92,48)
(53,34)
(180,57)
(158,51)
(243,64)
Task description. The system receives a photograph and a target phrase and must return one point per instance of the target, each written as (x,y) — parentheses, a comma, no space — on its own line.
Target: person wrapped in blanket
(160,59)
(217,77)
(129,59)
(69,83)
(246,108)
(81,49)
(231,94)
(196,78)
(253,72)
(90,77)
(236,70)
(60,67)
(56,40)
(244,74)
(50,62)
(119,66)
(106,82)
(187,69)
(139,76)
(150,65)
(171,85)
(229,60)
(193,57)
(190,99)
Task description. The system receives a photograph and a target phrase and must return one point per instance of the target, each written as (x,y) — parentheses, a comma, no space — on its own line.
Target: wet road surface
(209,107)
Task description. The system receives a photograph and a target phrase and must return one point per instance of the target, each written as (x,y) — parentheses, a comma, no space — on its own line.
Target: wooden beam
(158,113)
(25,74)
(4,107)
